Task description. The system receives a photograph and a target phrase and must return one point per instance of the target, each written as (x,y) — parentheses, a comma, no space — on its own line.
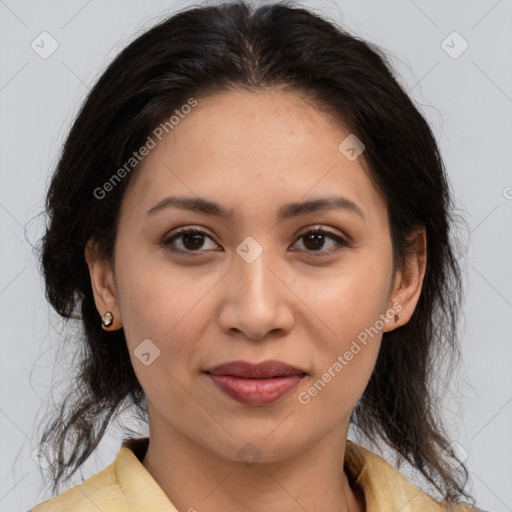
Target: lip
(263,370)
(256,384)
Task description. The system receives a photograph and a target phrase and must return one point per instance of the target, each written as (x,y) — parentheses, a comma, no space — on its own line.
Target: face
(255,285)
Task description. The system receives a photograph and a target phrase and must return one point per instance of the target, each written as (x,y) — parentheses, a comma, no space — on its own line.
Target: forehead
(251,150)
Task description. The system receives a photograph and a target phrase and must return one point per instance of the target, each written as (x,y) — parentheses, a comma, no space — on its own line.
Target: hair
(204,50)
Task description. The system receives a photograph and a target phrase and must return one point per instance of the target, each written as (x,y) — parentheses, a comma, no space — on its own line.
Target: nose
(257,300)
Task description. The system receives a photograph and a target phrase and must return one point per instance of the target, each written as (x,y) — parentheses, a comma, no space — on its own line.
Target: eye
(192,240)
(314,241)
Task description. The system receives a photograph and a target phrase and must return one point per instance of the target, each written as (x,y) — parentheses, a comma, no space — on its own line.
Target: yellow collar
(384,487)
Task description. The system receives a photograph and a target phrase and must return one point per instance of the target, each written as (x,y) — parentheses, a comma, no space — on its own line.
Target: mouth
(256,384)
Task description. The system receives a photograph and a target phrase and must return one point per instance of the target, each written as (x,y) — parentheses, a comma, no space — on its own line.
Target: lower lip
(255,391)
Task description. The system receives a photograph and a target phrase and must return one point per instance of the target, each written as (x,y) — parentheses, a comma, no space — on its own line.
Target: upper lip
(263,370)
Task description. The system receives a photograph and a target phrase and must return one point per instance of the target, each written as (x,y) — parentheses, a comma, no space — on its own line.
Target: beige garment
(126,486)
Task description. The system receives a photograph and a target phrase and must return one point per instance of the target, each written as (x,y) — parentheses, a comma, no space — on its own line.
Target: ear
(409,281)
(103,285)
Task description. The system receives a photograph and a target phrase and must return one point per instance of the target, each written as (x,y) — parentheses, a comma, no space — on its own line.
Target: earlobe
(409,281)
(103,287)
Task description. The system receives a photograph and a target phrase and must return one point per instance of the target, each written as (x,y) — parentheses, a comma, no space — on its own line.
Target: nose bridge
(254,278)
(257,302)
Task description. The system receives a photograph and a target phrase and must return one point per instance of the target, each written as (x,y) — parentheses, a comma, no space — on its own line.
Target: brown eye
(315,240)
(191,240)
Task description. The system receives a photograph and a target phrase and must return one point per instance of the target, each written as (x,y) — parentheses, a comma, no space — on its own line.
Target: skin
(252,153)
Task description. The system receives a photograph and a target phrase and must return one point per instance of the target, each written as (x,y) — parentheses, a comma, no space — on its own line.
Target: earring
(396,318)
(107,319)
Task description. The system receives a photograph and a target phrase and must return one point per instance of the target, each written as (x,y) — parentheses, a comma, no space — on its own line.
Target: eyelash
(342,243)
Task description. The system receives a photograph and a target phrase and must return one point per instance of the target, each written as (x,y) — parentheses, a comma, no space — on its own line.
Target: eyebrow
(287,211)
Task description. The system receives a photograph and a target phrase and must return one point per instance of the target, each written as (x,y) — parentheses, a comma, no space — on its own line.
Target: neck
(195,478)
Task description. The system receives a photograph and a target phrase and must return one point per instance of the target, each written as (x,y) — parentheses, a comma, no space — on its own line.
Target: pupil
(196,243)
(315,238)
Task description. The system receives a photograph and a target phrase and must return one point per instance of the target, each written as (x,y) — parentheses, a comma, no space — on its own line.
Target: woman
(250,219)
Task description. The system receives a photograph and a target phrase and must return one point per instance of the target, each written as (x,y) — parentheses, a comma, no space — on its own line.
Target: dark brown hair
(203,50)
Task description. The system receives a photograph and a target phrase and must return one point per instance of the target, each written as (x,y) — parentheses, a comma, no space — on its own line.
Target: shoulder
(386,488)
(101,491)
(447,506)
(124,486)
(459,507)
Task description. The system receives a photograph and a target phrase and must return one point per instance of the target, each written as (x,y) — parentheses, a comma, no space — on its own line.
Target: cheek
(163,303)
(347,326)
(344,354)
(157,304)
(347,299)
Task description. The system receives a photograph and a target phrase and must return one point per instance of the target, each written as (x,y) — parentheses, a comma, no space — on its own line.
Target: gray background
(467,100)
